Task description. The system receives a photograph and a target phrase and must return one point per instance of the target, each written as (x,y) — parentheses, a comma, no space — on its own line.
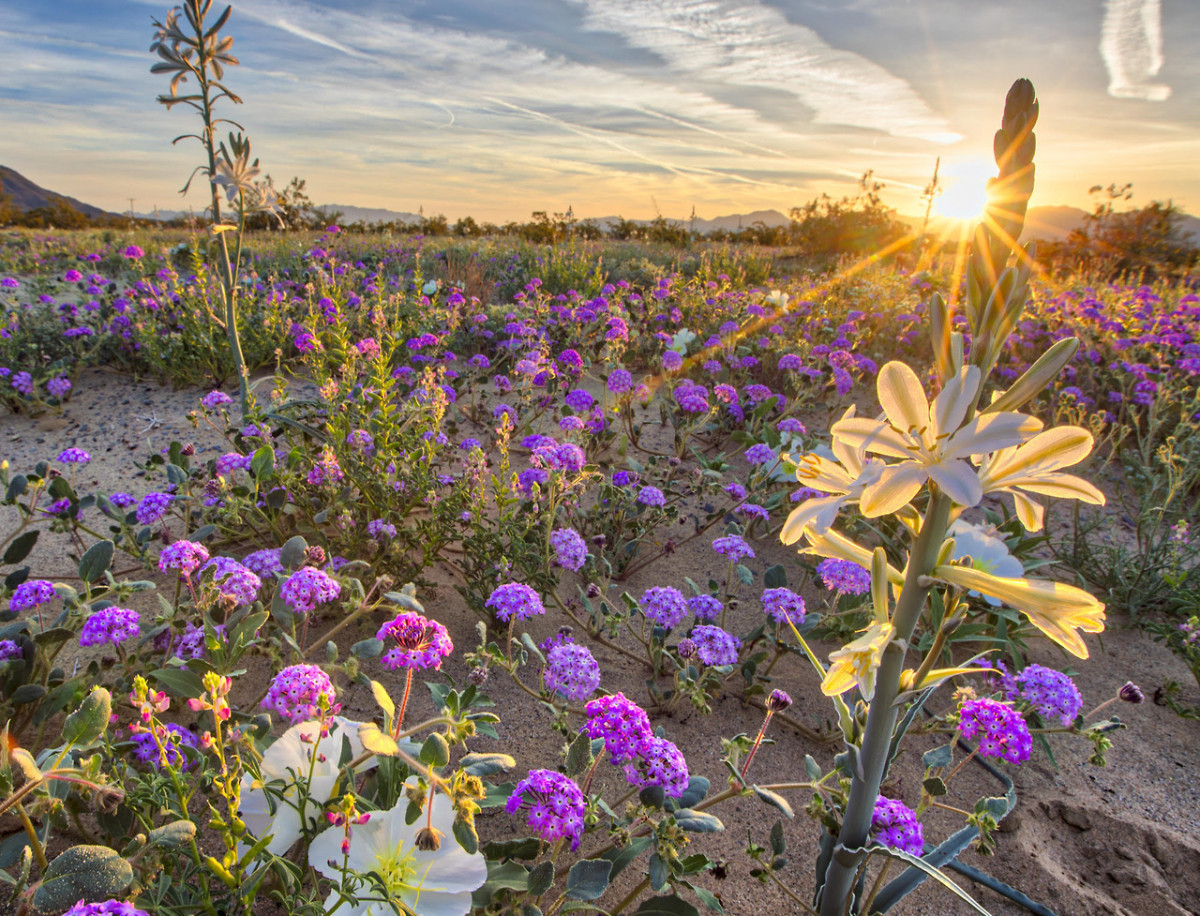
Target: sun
(964,189)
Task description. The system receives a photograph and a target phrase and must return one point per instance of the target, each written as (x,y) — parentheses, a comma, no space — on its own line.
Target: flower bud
(1131,693)
(429,839)
(778,701)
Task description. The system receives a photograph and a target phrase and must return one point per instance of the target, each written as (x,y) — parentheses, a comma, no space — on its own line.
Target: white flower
(291,760)
(438,882)
(988,554)
(932,441)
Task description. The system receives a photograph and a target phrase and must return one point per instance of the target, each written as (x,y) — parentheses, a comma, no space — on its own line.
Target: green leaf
(778,842)
(707,897)
(27,693)
(528,643)
(625,855)
(940,756)
(486,764)
(86,724)
(262,465)
(697,788)
(435,751)
(666,906)
(775,800)
(95,561)
(16,487)
(698,821)
(383,699)
(588,879)
(19,549)
(811,767)
(524,848)
(367,648)
(175,835)
(541,879)
(775,577)
(935,786)
(935,873)
(579,754)
(406,601)
(82,873)
(658,873)
(181,682)
(467,838)
(745,574)
(291,554)
(375,741)
(652,796)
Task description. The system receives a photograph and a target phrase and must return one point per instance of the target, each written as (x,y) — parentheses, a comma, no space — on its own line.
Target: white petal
(951,405)
(902,397)
(988,432)
(818,513)
(873,436)
(896,487)
(958,480)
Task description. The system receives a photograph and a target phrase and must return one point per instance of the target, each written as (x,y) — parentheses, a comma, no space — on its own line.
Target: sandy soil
(1124,839)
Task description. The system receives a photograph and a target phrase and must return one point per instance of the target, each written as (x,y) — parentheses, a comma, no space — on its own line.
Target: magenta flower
(421,643)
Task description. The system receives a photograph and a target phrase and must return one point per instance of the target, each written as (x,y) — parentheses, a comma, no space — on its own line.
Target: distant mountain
(28,196)
(369,214)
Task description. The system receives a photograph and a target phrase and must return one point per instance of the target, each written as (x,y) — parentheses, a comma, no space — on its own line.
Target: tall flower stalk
(955,449)
(189,47)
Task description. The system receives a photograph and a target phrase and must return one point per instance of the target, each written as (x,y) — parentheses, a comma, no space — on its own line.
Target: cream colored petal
(832,544)
(1050,450)
(1062,486)
(838,679)
(819,513)
(958,480)
(873,436)
(895,489)
(988,432)
(822,474)
(1029,511)
(902,397)
(951,405)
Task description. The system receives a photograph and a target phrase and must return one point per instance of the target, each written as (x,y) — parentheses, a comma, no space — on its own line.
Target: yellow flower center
(398,870)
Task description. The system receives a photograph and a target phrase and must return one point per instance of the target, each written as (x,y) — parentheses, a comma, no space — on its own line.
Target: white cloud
(1131,44)
(744,43)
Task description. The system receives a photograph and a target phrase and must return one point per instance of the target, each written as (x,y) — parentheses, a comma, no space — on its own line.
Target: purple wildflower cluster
(714,646)
(381,530)
(844,576)
(664,605)
(185,556)
(515,600)
(110,625)
(658,763)
(555,803)
(1051,694)
(106,908)
(233,579)
(173,737)
(651,496)
(735,547)
(191,641)
(572,671)
(215,400)
(307,588)
(421,644)
(620,722)
(570,551)
(9,650)
(705,607)
(153,507)
(264,563)
(74,456)
(297,691)
(1000,730)
(783,604)
(896,826)
(32,594)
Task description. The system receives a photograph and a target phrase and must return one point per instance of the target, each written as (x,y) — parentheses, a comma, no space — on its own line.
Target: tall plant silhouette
(191,48)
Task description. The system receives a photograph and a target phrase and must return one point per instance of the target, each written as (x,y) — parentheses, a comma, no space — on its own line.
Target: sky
(497,108)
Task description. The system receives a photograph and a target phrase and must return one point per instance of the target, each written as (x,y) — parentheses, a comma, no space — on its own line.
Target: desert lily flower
(933,441)
(428,879)
(1036,467)
(844,478)
(1060,611)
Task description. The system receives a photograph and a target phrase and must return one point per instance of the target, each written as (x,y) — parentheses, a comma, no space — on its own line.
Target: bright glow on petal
(990,431)
(1030,512)
(1056,609)
(950,407)
(873,436)
(897,486)
(832,544)
(902,397)
(820,513)
(957,480)
(857,662)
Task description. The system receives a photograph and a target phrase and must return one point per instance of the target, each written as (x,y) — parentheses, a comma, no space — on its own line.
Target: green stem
(881,718)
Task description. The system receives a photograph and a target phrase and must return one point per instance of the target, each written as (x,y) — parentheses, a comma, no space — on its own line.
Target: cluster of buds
(146,703)
(216,692)
(347,817)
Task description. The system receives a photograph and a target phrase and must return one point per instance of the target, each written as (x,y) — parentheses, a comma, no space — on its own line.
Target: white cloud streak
(1131,44)
(744,43)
